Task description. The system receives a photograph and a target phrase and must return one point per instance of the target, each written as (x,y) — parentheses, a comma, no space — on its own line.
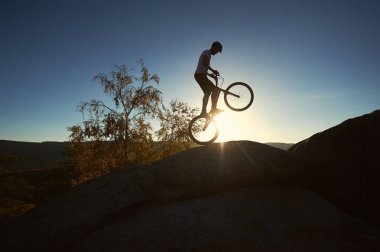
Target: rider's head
(216,47)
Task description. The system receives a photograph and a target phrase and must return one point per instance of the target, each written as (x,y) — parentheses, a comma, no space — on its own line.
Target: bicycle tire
(245,98)
(200,136)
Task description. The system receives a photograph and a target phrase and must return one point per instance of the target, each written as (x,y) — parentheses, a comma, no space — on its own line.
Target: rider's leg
(206,96)
(214,100)
(206,87)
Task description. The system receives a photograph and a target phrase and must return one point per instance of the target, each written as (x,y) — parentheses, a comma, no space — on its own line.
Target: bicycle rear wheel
(238,96)
(203,130)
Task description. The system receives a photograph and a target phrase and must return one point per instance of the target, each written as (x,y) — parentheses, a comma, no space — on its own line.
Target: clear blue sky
(312,64)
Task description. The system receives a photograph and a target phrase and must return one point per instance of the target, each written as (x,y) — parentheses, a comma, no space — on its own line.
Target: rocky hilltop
(236,196)
(343,165)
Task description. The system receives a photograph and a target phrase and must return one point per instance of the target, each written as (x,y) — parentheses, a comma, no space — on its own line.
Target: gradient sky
(311,64)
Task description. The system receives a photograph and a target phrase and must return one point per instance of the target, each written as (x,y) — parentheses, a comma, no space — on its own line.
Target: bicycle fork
(206,124)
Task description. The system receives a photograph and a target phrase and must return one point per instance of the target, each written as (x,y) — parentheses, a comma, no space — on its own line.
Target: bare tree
(119,134)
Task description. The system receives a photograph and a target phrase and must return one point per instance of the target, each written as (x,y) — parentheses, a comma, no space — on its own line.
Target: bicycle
(238,96)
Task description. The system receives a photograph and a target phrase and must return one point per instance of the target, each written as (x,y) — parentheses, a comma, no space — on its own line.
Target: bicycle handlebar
(216,78)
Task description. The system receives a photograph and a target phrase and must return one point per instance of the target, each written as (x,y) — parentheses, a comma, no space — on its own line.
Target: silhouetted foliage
(174,122)
(8,159)
(21,190)
(117,135)
(15,196)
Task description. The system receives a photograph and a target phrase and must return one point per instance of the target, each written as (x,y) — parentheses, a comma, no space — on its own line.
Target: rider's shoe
(216,111)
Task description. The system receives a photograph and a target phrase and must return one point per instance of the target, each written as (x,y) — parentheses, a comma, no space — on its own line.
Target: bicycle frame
(199,128)
(223,90)
(220,90)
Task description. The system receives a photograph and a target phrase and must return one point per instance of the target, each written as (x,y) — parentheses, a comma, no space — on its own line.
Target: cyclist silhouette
(201,74)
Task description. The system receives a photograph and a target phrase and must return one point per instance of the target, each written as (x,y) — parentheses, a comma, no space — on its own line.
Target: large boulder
(343,164)
(282,218)
(232,196)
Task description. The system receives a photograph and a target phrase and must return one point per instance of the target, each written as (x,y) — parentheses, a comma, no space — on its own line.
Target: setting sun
(232,126)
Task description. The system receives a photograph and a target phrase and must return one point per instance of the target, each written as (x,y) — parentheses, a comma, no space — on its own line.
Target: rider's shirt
(201,68)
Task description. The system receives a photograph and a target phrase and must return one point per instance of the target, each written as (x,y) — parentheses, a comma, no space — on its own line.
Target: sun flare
(230,127)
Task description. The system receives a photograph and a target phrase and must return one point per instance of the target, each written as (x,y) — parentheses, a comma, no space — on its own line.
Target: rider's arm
(215,72)
(206,63)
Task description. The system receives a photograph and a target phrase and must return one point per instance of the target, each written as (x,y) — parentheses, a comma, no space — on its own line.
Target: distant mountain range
(33,155)
(282,146)
(49,154)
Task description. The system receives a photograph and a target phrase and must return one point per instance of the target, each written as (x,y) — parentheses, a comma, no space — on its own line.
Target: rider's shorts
(206,85)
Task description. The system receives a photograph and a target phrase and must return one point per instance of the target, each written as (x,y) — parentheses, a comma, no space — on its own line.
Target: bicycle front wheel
(203,130)
(238,96)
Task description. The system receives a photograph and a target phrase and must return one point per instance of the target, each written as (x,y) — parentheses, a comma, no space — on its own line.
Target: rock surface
(224,197)
(343,165)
